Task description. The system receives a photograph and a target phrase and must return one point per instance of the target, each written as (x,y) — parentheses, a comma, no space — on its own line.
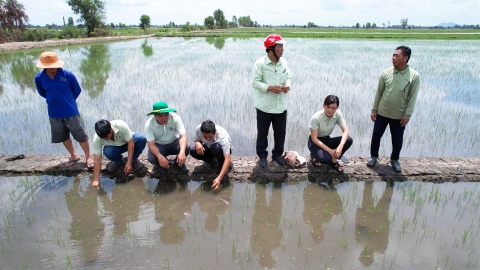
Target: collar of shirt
(326,118)
(395,70)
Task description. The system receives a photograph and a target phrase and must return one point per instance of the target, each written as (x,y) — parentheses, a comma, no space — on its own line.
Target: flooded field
(59,222)
(209,78)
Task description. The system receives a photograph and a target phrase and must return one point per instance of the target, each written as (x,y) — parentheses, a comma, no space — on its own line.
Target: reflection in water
(125,205)
(173,203)
(210,40)
(95,69)
(86,227)
(213,204)
(266,233)
(372,224)
(147,49)
(22,68)
(321,205)
(219,43)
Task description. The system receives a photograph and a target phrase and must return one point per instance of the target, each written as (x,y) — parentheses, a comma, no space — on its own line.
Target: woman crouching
(324,149)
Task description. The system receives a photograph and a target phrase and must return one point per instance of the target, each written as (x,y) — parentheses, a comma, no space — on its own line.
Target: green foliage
(38,34)
(209,22)
(92,12)
(357,25)
(368,25)
(70,32)
(219,17)
(99,33)
(147,49)
(245,21)
(187,27)
(70,21)
(95,69)
(404,23)
(144,22)
(12,19)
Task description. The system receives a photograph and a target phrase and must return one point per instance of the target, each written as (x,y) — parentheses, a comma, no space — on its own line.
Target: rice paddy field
(59,222)
(209,78)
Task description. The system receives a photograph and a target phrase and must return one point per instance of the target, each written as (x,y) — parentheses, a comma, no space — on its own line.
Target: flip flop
(315,162)
(90,164)
(71,162)
(337,167)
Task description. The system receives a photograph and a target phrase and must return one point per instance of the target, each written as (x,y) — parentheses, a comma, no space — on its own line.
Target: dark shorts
(62,127)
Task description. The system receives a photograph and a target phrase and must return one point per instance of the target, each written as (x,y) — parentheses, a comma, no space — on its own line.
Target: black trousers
(279,125)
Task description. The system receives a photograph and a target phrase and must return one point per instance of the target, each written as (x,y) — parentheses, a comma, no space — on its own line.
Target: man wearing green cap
(166,136)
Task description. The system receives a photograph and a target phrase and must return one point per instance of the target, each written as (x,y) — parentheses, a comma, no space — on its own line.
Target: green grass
(319,33)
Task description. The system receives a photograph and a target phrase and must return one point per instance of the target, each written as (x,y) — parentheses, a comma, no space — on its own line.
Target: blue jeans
(114,153)
(396,130)
(322,155)
(172,148)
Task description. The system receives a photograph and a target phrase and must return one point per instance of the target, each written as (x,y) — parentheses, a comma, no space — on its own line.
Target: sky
(279,12)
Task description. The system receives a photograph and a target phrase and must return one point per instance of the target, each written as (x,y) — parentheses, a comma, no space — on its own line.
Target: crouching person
(166,136)
(213,142)
(116,138)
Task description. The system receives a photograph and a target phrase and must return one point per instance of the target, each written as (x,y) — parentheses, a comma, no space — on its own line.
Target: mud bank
(247,169)
(62,42)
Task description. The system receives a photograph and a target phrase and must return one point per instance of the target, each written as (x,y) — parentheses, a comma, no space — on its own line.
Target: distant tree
(70,21)
(311,25)
(368,25)
(144,22)
(219,17)
(293,26)
(383,25)
(112,25)
(234,20)
(404,23)
(357,25)
(374,25)
(209,22)
(12,17)
(92,12)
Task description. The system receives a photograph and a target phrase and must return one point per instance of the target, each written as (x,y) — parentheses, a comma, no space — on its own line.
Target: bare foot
(95,183)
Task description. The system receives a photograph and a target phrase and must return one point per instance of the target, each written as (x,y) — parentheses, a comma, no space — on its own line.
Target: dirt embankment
(61,42)
(247,169)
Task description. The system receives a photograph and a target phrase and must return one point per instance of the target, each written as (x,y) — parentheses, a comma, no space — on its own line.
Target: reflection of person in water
(172,205)
(266,233)
(321,205)
(86,227)
(213,204)
(125,205)
(373,226)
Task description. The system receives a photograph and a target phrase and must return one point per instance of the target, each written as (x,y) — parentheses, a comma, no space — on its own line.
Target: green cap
(161,107)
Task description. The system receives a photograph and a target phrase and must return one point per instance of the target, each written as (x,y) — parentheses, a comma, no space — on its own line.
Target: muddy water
(57,222)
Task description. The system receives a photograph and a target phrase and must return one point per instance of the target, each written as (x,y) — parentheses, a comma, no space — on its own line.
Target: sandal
(315,162)
(337,167)
(71,162)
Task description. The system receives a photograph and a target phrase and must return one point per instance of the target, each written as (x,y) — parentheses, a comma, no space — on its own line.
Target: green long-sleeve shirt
(266,73)
(396,93)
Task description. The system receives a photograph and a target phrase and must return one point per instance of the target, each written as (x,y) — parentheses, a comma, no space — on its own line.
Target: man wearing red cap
(60,89)
(271,83)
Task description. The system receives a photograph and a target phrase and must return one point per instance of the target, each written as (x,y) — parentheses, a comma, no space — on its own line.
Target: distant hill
(449,24)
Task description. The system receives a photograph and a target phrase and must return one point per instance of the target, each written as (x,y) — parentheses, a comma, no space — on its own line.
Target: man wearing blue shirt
(60,89)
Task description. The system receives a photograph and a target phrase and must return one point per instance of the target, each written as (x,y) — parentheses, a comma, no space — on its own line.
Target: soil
(61,42)
(247,169)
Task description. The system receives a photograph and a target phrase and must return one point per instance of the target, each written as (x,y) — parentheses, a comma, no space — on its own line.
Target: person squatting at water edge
(116,138)
(61,89)
(213,142)
(323,148)
(271,82)
(166,136)
(394,102)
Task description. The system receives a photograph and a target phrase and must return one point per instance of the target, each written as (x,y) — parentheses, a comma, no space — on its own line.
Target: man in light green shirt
(116,138)
(393,105)
(166,136)
(271,83)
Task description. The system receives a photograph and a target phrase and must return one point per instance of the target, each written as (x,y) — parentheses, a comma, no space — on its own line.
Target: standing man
(213,142)
(166,136)
(117,138)
(271,83)
(60,88)
(393,105)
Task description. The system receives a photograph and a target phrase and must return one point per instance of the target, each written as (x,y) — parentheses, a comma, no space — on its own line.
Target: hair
(271,48)
(406,51)
(103,128)
(208,127)
(330,99)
